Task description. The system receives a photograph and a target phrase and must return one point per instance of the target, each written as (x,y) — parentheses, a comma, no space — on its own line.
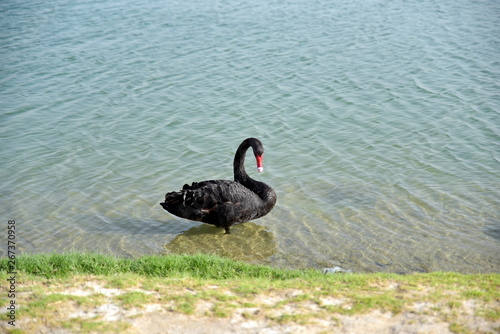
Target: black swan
(224,203)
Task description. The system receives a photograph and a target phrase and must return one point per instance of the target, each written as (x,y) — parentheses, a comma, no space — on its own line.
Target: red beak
(260,166)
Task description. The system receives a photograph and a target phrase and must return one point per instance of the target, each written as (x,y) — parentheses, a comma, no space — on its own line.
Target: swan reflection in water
(246,242)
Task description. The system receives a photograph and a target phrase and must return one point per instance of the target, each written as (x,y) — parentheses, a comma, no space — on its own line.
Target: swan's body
(224,203)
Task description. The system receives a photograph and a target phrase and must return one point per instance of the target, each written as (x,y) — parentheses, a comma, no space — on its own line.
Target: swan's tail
(175,203)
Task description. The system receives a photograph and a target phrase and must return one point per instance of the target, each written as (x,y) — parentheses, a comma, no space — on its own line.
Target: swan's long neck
(240,175)
(262,190)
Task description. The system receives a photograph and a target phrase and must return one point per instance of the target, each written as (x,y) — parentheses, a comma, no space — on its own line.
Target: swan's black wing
(218,202)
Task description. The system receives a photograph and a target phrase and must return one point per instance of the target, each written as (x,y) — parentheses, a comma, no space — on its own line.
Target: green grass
(182,282)
(122,272)
(195,266)
(133,299)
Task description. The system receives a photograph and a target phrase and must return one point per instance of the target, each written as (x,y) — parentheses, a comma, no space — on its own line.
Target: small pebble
(335,270)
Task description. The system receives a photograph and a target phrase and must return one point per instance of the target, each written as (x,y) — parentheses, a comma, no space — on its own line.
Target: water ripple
(379,122)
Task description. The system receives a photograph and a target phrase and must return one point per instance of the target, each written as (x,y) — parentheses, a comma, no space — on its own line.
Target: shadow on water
(247,242)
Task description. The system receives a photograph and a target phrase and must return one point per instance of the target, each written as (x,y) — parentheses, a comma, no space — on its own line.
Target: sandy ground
(374,322)
(160,316)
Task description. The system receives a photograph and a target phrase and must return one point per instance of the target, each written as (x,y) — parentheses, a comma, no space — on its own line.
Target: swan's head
(258,151)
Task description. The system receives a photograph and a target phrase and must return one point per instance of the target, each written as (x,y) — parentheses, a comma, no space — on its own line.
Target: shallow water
(380,121)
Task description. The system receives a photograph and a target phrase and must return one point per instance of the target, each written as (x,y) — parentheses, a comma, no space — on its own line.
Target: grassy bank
(72,292)
(194,266)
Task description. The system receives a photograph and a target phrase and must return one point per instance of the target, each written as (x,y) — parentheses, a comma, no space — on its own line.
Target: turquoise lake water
(380,121)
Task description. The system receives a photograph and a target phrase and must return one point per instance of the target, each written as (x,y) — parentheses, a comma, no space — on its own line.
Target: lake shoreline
(207,294)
